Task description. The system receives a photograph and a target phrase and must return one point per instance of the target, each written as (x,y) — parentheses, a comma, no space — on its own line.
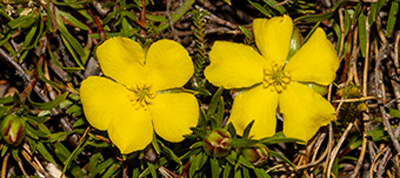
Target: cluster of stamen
(141,95)
(277,78)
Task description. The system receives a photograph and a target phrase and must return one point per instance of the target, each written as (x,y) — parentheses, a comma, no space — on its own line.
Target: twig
(4,166)
(337,148)
(171,23)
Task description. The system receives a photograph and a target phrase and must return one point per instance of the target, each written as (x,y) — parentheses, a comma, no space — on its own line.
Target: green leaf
(43,151)
(70,42)
(29,36)
(243,161)
(375,9)
(362,33)
(49,105)
(112,171)
(243,142)
(246,32)
(281,157)
(261,173)
(176,16)
(6,100)
(23,21)
(394,8)
(75,110)
(101,167)
(260,8)
(275,140)
(215,169)
(246,131)
(378,133)
(315,17)
(70,18)
(311,32)
(227,171)
(273,3)
(393,112)
(168,152)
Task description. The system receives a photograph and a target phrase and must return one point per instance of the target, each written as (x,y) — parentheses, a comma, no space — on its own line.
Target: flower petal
(316,61)
(173,115)
(304,111)
(256,104)
(122,59)
(131,130)
(101,99)
(234,65)
(273,37)
(169,64)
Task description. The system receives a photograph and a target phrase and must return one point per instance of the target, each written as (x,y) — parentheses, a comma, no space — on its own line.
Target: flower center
(277,77)
(141,95)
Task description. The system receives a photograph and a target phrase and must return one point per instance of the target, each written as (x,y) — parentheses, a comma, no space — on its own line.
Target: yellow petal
(173,115)
(101,99)
(131,130)
(256,104)
(169,64)
(234,65)
(273,37)
(122,59)
(304,111)
(316,61)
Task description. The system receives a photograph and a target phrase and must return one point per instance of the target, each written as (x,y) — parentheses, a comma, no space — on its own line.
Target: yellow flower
(133,102)
(275,83)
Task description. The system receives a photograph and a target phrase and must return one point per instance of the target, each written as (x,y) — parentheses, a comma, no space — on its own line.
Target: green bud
(13,129)
(295,43)
(256,154)
(218,143)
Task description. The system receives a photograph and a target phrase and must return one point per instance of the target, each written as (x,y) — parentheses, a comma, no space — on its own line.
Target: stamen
(141,95)
(276,77)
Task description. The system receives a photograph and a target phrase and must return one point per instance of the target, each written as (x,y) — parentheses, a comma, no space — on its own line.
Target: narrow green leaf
(394,8)
(311,32)
(112,171)
(275,140)
(70,18)
(29,36)
(243,142)
(177,15)
(246,131)
(6,100)
(261,173)
(227,171)
(101,167)
(393,112)
(315,17)
(43,151)
(281,157)
(362,33)
(260,8)
(61,151)
(215,169)
(49,105)
(168,152)
(273,3)
(375,9)
(246,32)
(245,172)
(243,161)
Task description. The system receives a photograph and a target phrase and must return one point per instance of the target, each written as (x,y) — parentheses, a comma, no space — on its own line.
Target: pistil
(141,95)
(276,77)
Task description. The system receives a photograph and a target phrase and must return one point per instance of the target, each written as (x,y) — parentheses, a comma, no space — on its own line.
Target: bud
(218,143)
(13,129)
(256,154)
(295,43)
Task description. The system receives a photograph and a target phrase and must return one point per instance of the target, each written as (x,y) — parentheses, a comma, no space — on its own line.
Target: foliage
(48,48)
